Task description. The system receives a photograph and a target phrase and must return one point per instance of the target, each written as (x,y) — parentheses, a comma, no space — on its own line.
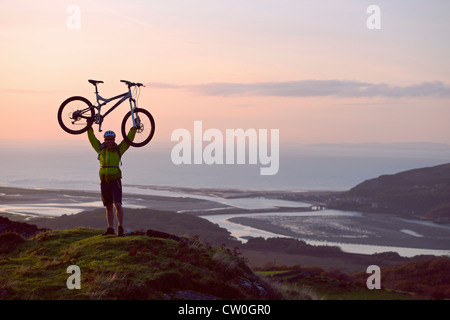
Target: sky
(312,69)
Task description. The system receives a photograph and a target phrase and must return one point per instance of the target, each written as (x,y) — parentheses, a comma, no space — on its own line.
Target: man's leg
(117,195)
(108,203)
(110,215)
(119,213)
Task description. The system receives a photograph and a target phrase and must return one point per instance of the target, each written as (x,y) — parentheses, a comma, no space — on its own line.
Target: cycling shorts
(111,192)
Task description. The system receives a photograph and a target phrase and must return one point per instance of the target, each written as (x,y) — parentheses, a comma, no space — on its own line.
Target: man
(109,154)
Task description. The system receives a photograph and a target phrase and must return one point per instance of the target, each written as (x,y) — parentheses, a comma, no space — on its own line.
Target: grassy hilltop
(158,265)
(142,266)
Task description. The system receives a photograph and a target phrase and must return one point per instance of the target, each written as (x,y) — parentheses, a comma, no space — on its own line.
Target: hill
(143,219)
(423,193)
(151,265)
(426,278)
(160,265)
(423,279)
(22,228)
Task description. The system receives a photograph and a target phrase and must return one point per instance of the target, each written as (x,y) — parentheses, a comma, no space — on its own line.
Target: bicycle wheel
(75,115)
(145,127)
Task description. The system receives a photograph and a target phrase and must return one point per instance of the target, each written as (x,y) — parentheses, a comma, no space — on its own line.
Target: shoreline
(23,201)
(396,241)
(22,204)
(44,202)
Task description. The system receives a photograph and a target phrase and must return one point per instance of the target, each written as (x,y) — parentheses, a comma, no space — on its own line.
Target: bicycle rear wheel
(75,115)
(145,127)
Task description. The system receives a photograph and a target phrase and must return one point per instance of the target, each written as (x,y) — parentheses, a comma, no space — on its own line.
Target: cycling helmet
(109,133)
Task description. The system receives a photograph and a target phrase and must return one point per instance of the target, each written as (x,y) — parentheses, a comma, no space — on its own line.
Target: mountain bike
(76,114)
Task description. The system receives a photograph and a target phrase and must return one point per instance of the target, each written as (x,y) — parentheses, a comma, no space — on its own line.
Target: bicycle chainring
(98,118)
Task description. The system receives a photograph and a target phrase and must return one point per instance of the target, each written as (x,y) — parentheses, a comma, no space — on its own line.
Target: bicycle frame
(98,118)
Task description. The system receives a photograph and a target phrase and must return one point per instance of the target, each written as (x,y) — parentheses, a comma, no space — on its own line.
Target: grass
(132,267)
(316,283)
(158,267)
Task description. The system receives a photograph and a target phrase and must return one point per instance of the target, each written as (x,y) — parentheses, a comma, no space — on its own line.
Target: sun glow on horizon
(267,51)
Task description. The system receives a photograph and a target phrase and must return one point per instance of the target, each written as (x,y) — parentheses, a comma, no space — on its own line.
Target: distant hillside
(423,279)
(423,192)
(24,229)
(426,278)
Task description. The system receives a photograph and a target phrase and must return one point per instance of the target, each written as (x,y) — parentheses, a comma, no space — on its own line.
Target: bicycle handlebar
(131,84)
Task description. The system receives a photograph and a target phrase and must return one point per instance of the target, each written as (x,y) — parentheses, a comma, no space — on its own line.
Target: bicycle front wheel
(75,115)
(145,127)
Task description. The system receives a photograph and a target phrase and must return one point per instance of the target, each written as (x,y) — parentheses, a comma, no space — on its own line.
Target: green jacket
(108,156)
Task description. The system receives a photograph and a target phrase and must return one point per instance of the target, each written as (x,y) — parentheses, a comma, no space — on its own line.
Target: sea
(301,168)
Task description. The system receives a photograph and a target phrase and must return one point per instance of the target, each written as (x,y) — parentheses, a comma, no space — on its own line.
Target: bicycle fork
(98,118)
(133,118)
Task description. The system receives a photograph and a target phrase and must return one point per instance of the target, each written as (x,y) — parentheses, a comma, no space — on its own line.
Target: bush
(9,241)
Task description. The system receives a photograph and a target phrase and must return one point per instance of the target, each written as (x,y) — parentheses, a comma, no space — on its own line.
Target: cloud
(316,88)
(164,85)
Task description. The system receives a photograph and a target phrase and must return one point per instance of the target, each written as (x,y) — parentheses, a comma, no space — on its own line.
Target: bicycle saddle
(94,82)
